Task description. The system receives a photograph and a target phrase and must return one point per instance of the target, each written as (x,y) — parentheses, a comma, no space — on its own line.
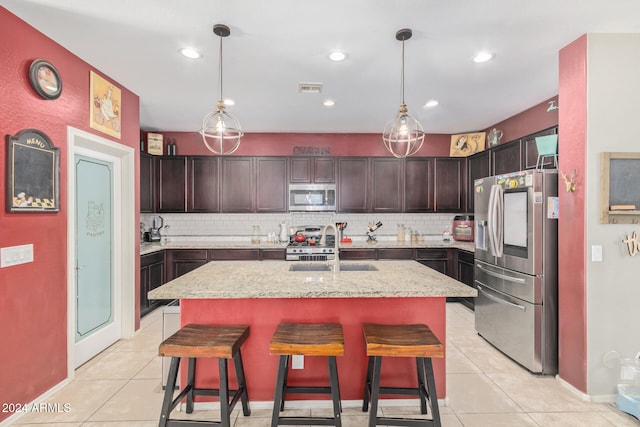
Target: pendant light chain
(220,71)
(402,77)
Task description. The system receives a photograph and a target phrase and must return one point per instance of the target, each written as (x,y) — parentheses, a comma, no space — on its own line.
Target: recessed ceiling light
(329,103)
(190,53)
(483,57)
(431,103)
(337,56)
(228,102)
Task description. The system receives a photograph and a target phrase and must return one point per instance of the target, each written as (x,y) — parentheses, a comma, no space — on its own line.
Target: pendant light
(220,131)
(404,135)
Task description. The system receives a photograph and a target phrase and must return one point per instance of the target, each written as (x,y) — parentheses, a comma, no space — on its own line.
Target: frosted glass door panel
(515,218)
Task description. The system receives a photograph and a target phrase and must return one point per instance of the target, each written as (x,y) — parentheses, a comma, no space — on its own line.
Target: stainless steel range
(304,245)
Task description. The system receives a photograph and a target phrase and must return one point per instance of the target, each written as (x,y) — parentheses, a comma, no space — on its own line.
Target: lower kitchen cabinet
(151,276)
(437,258)
(395,253)
(352,254)
(234,254)
(182,261)
(465,274)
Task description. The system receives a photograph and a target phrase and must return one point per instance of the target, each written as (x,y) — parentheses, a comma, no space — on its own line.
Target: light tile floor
(122,387)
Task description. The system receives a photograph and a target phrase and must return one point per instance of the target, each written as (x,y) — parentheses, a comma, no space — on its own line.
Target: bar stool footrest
(407,422)
(302,421)
(308,390)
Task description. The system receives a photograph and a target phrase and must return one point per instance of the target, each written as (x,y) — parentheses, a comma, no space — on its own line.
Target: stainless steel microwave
(312,197)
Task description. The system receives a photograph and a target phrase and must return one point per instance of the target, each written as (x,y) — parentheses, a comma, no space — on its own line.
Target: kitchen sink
(326,267)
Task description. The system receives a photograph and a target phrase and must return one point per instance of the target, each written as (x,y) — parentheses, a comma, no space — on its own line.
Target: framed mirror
(33,173)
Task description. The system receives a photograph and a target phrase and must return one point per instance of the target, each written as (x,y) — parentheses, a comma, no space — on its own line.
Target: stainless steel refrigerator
(516,266)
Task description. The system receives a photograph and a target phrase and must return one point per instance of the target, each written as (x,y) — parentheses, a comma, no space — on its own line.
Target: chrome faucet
(323,241)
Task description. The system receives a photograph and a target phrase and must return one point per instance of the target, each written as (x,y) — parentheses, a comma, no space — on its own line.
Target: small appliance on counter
(154,234)
(463,228)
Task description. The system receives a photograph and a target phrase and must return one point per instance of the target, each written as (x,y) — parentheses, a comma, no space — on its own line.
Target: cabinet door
(146,183)
(465,275)
(530,150)
(271,184)
(144,289)
(449,184)
(324,170)
(172,176)
(507,158)
(418,185)
(437,259)
(237,192)
(203,184)
(300,169)
(386,185)
(478,166)
(352,185)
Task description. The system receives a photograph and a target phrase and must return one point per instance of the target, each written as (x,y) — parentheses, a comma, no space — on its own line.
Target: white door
(97,292)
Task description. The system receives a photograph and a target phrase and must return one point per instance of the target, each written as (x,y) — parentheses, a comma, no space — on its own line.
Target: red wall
(527,122)
(571,223)
(33,297)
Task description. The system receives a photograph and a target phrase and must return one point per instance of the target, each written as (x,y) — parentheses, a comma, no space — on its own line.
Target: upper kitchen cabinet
(271,184)
(237,185)
(449,184)
(319,170)
(507,158)
(530,150)
(203,184)
(147,187)
(387,179)
(172,175)
(478,166)
(352,186)
(418,185)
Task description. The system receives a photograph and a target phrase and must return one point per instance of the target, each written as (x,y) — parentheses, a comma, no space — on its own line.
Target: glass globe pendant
(221,132)
(404,135)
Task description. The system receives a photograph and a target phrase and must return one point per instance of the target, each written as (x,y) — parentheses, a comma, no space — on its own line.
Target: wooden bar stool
(401,341)
(308,340)
(199,341)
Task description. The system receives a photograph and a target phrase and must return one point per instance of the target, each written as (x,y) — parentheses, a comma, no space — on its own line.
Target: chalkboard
(624,182)
(33,173)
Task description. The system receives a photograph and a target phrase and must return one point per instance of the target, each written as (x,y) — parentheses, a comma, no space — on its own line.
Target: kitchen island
(263,294)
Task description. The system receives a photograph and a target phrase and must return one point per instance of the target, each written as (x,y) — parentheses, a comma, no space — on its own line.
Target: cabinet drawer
(234,254)
(148,259)
(348,254)
(431,253)
(395,253)
(465,256)
(189,254)
(273,254)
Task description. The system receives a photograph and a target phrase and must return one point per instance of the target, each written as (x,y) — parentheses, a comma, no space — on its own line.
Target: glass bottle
(255,235)
(400,235)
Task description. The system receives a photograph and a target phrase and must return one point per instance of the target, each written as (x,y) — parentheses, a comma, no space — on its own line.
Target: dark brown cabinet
(465,274)
(507,158)
(355,254)
(147,187)
(387,179)
(151,276)
(182,261)
(352,187)
(449,184)
(203,184)
(530,150)
(478,166)
(418,185)
(395,253)
(271,184)
(237,185)
(312,170)
(172,175)
(437,259)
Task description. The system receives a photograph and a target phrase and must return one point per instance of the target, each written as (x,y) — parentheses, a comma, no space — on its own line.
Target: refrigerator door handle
(501,276)
(495,220)
(500,301)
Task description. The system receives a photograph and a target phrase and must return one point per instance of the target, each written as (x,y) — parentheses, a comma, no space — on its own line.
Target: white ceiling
(274,45)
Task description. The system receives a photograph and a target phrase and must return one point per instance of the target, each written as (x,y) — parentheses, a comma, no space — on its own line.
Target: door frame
(124,251)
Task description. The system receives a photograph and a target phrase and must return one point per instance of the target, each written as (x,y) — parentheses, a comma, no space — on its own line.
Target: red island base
(263,315)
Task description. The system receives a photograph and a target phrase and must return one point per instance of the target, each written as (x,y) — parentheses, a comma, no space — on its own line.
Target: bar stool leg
(433,397)
(367,386)
(375,391)
(168,392)
(244,397)
(277,402)
(191,384)
(422,388)
(284,383)
(335,390)
(223,393)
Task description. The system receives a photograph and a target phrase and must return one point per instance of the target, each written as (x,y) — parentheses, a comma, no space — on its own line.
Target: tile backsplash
(193,227)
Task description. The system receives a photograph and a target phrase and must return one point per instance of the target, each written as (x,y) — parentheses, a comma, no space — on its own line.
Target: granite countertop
(147,248)
(272,279)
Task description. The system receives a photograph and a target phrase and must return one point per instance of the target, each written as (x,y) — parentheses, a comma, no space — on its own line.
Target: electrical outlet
(297,361)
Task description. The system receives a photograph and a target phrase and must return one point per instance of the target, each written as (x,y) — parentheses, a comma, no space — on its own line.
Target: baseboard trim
(44,396)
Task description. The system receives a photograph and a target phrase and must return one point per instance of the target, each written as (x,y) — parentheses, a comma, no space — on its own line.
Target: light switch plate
(596,253)
(297,361)
(15,255)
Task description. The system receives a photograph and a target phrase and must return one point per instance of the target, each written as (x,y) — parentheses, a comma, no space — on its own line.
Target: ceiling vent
(309,87)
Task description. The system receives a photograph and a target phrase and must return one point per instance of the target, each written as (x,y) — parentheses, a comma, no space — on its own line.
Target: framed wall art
(45,79)
(33,173)
(106,101)
(466,144)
